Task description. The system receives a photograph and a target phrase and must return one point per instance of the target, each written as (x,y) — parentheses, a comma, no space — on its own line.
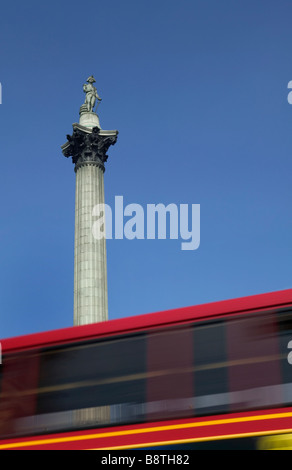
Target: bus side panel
(170,385)
(18,390)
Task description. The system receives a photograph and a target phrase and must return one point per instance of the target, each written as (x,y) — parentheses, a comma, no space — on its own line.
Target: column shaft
(90,267)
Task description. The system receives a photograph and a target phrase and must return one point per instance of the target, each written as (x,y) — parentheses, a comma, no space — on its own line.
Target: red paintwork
(152,320)
(177,431)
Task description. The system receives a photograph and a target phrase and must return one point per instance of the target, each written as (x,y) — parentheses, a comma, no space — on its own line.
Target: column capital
(88,146)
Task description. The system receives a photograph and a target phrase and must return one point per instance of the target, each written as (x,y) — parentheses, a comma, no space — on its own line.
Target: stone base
(88,119)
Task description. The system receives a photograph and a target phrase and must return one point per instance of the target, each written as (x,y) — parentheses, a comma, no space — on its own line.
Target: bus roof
(166,318)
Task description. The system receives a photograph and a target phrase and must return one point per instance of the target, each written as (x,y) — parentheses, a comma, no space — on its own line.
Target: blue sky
(198,92)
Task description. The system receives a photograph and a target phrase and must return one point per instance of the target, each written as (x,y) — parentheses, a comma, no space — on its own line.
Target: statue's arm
(96,95)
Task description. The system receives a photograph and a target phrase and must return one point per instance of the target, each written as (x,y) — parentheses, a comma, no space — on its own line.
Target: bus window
(211,372)
(254,367)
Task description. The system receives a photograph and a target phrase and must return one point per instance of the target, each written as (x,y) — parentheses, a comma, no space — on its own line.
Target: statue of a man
(91,94)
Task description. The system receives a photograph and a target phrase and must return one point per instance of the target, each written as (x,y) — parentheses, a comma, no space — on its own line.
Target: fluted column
(87,147)
(90,266)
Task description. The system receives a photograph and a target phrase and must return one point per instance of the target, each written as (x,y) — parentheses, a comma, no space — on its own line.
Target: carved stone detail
(88,148)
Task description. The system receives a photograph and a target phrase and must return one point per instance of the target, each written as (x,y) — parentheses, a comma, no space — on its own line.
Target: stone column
(90,267)
(88,146)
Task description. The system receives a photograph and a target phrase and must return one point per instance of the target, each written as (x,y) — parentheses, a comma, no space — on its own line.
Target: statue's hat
(91,79)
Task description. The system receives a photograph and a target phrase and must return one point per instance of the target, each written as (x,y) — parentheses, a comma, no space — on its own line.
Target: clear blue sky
(198,92)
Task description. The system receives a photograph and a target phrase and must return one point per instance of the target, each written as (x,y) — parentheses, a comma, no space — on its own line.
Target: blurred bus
(212,376)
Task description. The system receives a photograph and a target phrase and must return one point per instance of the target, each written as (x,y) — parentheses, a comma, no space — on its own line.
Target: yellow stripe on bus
(146,430)
(270,434)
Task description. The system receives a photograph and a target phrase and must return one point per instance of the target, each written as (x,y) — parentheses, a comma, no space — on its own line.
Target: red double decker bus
(213,376)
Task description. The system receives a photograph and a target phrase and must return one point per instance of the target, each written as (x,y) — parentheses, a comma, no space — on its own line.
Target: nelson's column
(88,146)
